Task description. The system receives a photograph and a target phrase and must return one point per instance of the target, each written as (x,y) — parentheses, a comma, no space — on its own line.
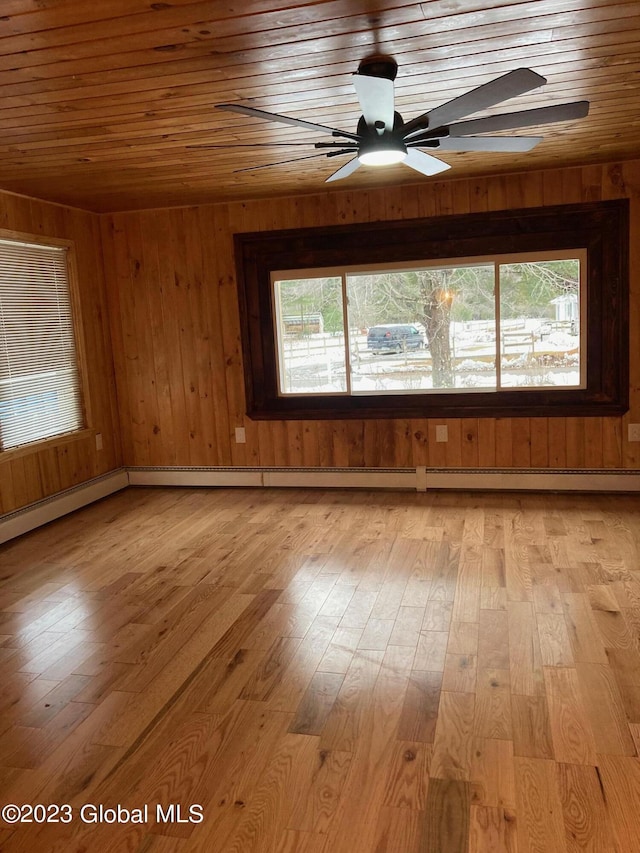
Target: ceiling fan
(382,137)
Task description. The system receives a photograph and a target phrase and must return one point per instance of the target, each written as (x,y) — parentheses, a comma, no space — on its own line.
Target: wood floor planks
(327,672)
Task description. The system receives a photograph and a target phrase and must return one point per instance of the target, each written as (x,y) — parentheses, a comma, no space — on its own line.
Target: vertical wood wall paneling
(521,442)
(237,218)
(119,292)
(486,443)
(206,229)
(199,393)
(175,324)
(50,467)
(197,344)
(146,424)
(612,442)
(419,438)
(539,432)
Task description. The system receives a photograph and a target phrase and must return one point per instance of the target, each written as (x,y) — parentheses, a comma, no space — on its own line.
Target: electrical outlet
(442,433)
(98,441)
(241,436)
(634,432)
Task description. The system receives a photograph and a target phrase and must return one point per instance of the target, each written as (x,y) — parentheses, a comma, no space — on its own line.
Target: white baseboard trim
(421,479)
(35,515)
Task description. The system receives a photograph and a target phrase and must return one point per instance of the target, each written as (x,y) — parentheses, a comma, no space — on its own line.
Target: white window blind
(40,393)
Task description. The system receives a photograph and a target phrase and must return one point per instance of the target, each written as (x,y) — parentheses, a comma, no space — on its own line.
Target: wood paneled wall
(178,358)
(29,475)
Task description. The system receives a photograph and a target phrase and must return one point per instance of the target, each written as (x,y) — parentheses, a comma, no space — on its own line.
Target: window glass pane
(540,324)
(310,335)
(422,330)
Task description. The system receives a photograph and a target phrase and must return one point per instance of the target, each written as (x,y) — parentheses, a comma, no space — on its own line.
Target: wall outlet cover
(634,432)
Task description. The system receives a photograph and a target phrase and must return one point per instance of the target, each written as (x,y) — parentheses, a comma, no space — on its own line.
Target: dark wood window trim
(600,228)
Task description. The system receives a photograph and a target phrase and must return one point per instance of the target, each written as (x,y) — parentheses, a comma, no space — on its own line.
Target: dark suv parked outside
(394,337)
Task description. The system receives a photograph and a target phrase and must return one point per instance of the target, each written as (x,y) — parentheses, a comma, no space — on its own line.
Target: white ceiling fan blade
(489,143)
(375,95)
(344,171)
(424,163)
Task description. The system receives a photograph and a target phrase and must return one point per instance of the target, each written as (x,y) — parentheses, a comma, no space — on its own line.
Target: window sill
(45,444)
(520,404)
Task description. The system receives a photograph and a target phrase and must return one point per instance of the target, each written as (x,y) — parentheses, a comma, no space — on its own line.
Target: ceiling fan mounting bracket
(379,128)
(379,65)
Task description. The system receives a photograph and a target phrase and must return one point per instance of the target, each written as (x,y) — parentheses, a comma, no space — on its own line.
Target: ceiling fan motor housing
(379,65)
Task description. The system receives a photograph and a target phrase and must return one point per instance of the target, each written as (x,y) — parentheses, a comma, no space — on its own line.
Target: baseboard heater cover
(48,509)
(418,479)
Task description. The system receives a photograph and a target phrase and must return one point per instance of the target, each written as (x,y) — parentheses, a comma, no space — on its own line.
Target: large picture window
(485,324)
(40,389)
(521,312)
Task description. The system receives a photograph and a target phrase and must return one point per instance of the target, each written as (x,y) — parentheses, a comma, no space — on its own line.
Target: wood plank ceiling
(99,100)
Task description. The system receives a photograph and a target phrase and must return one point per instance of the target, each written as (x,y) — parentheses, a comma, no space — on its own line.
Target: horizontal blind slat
(40,392)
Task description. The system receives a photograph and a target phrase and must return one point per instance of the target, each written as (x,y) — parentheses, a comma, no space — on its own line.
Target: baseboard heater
(41,512)
(419,479)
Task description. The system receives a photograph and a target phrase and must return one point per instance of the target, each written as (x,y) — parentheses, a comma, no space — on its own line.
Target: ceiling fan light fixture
(382,153)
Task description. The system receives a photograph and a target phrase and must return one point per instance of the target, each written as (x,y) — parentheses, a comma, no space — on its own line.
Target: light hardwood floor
(326,672)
